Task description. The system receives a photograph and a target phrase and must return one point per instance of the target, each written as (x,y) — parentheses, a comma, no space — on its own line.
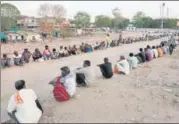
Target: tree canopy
(103,21)
(9,16)
(82,19)
(140,20)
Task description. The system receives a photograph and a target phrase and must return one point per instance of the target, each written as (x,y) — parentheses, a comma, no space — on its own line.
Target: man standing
(24,106)
(108,40)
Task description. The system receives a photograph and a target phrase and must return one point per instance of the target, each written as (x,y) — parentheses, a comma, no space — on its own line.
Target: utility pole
(162,14)
(167,12)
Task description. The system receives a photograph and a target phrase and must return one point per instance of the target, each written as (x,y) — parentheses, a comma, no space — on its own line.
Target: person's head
(153,47)
(36,50)
(4,55)
(65,48)
(46,47)
(86,63)
(108,35)
(65,71)
(145,49)
(122,57)
(131,54)
(25,50)
(163,44)
(61,47)
(20,84)
(54,50)
(157,47)
(106,60)
(148,47)
(15,53)
(141,49)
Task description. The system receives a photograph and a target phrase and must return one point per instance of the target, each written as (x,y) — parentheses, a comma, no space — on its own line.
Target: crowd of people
(24,106)
(20,58)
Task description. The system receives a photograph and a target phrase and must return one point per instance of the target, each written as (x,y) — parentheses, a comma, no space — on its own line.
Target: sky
(127,8)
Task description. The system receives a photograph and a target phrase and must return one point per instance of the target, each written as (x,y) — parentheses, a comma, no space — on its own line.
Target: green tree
(170,23)
(9,16)
(103,21)
(120,23)
(146,22)
(82,19)
(123,23)
(138,19)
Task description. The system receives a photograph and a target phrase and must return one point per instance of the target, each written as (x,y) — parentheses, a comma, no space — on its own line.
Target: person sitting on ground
(88,48)
(37,55)
(66,53)
(78,50)
(164,48)
(26,55)
(24,106)
(5,61)
(18,61)
(133,61)
(106,68)
(139,59)
(61,52)
(96,46)
(113,43)
(142,55)
(69,50)
(160,52)
(148,54)
(82,47)
(47,53)
(171,48)
(84,75)
(151,51)
(155,52)
(74,50)
(55,54)
(122,66)
(64,85)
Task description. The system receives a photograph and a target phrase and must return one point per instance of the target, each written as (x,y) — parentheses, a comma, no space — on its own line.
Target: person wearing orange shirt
(160,52)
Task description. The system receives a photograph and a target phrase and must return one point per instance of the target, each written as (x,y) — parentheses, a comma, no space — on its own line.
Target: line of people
(24,106)
(20,58)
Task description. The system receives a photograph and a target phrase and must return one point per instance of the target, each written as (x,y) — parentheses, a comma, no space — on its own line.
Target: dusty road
(146,95)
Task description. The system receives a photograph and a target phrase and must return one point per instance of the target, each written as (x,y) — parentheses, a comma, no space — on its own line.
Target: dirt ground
(149,93)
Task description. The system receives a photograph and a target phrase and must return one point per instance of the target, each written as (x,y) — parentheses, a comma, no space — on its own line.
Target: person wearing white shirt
(68,81)
(24,106)
(17,59)
(84,75)
(133,61)
(123,66)
(61,51)
(155,52)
